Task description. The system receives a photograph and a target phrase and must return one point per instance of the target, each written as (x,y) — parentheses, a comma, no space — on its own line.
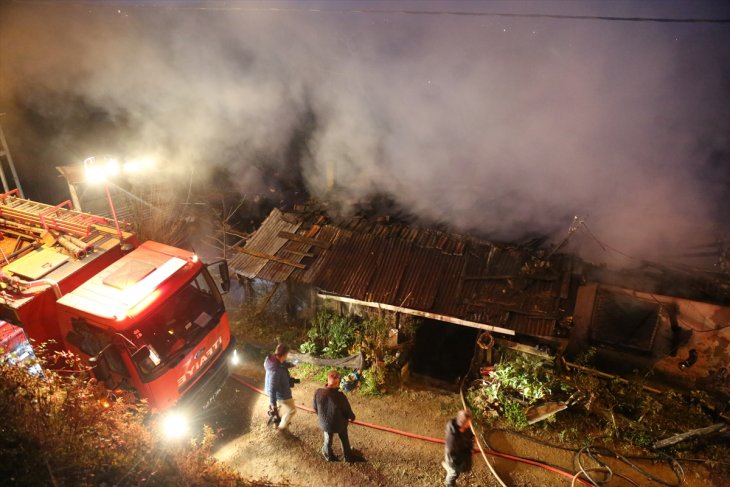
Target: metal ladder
(61,217)
(8,160)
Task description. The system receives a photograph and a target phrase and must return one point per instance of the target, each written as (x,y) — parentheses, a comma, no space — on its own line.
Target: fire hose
(430,439)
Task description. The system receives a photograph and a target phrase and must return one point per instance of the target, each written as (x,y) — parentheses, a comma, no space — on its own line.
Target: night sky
(501,126)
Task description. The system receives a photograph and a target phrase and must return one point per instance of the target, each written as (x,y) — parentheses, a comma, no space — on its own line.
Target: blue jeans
(344,439)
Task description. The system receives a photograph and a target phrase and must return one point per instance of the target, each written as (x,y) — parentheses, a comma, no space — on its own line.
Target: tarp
(352,362)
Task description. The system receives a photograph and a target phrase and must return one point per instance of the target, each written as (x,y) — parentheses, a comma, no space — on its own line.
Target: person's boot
(354,457)
(329,456)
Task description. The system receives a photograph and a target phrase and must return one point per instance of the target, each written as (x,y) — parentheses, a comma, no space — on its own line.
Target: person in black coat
(334,412)
(459,446)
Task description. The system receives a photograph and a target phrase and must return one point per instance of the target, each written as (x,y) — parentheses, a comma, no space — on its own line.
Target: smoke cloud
(503,127)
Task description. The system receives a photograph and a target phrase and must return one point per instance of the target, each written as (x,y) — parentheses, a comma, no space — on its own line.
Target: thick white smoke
(505,127)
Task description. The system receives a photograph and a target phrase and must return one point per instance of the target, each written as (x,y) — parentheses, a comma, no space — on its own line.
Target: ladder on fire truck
(7,160)
(39,217)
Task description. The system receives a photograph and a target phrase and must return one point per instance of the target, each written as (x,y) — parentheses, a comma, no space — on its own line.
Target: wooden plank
(535,277)
(416,312)
(296,252)
(690,434)
(310,241)
(262,255)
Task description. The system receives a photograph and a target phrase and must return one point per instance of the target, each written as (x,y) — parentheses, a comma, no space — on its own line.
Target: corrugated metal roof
(266,240)
(422,269)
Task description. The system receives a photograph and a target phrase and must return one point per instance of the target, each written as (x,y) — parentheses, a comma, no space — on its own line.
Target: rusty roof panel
(422,269)
(266,239)
(420,280)
(393,258)
(278,272)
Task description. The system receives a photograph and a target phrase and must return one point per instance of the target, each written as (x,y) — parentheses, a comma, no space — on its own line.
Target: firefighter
(278,387)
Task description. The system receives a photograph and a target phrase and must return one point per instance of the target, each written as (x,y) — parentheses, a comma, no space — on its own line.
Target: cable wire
(371,11)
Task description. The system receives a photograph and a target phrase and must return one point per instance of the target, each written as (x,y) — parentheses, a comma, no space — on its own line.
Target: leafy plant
(66,430)
(373,382)
(515,414)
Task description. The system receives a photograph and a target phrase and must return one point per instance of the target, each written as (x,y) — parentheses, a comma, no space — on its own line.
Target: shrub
(331,334)
(66,430)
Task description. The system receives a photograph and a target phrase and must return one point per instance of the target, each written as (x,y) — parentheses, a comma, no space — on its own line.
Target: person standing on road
(334,412)
(459,446)
(278,385)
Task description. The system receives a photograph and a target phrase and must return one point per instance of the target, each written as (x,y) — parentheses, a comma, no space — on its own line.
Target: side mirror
(142,357)
(142,354)
(225,276)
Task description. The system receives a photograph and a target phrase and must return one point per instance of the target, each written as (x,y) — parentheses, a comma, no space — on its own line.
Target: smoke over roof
(506,127)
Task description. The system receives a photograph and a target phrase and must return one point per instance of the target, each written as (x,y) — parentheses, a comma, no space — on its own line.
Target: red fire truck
(148,318)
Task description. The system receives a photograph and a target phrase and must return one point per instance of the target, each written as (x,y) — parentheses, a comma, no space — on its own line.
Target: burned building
(455,284)
(458,285)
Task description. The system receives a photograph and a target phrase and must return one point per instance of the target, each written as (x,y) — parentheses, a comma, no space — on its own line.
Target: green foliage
(639,438)
(373,382)
(67,430)
(514,413)
(525,375)
(331,334)
(315,372)
(308,347)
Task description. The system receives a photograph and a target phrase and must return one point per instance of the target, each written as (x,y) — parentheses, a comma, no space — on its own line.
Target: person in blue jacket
(279,384)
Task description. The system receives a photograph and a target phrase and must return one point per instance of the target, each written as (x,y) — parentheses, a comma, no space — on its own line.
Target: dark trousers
(344,439)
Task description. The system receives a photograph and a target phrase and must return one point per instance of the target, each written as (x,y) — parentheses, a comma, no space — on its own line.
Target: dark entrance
(443,351)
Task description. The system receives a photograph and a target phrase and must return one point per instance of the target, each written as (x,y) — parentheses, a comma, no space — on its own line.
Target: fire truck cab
(147,318)
(153,320)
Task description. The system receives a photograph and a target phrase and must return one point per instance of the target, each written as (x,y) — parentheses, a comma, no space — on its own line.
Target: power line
(454,13)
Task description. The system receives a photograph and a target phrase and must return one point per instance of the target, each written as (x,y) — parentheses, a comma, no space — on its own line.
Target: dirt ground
(294,458)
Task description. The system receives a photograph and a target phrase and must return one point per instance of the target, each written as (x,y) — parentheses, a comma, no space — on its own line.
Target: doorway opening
(443,350)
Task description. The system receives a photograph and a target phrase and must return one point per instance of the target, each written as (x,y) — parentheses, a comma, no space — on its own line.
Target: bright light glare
(134,166)
(112,167)
(97,172)
(235,359)
(175,425)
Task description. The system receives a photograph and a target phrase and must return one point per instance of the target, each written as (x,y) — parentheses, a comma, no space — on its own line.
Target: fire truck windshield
(178,325)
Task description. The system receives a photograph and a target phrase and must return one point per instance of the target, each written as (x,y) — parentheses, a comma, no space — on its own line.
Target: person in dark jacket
(459,446)
(334,412)
(278,384)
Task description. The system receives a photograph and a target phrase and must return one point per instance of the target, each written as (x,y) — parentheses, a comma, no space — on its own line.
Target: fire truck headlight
(235,359)
(175,425)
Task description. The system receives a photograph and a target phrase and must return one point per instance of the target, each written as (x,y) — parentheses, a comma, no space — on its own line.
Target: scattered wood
(690,434)
(604,375)
(311,241)
(262,255)
(262,305)
(535,414)
(522,348)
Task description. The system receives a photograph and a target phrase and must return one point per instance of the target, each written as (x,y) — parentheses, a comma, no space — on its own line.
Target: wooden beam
(296,252)
(310,241)
(604,375)
(535,277)
(262,255)
(416,312)
(690,434)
